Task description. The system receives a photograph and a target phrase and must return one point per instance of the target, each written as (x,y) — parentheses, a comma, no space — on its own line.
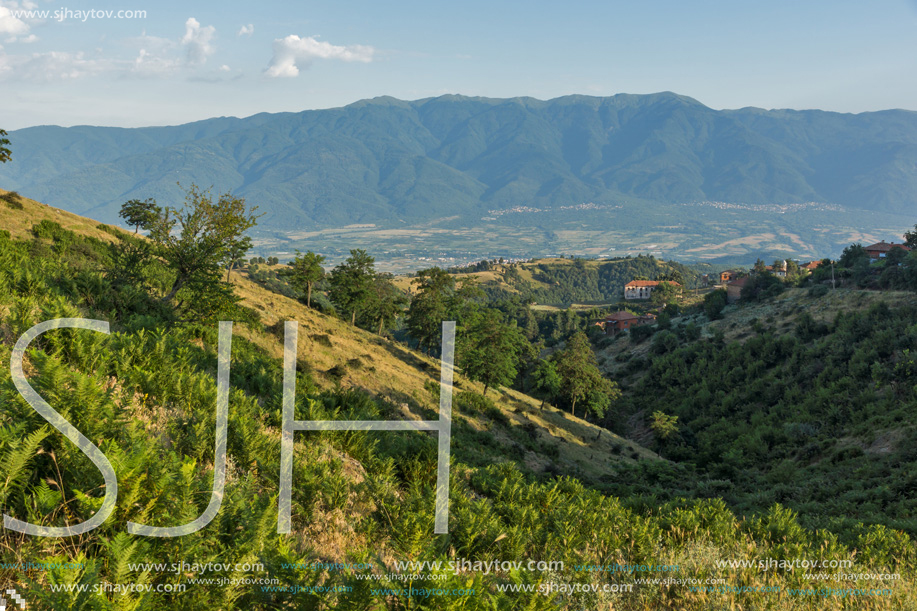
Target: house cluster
(735,281)
(623,320)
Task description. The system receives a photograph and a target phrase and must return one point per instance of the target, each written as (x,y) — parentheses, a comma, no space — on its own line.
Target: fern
(15,463)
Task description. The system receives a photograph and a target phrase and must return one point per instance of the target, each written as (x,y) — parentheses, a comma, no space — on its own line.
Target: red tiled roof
(641,283)
(885,247)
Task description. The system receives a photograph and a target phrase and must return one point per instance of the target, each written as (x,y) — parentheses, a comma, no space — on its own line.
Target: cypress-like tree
(352,281)
(305,271)
(489,349)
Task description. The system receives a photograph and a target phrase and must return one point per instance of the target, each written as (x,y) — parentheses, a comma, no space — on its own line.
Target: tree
(664,425)
(664,294)
(489,349)
(760,266)
(851,255)
(671,276)
(600,397)
(438,297)
(910,270)
(579,372)
(714,303)
(352,281)
(547,380)
(383,305)
(235,253)
(305,271)
(140,214)
(207,231)
(910,239)
(5,153)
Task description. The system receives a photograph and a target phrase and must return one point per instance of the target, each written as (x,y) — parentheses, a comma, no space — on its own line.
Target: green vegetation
(714,302)
(305,272)
(582,280)
(452,155)
(351,283)
(195,243)
(438,296)
(489,349)
(140,214)
(581,379)
(791,429)
(5,153)
(819,419)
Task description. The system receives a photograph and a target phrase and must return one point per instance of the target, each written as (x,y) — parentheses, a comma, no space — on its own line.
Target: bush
(640,334)
(665,341)
(12,200)
(819,290)
(714,303)
(51,231)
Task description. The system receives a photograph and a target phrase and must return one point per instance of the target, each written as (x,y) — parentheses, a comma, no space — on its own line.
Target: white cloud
(197,40)
(156,57)
(150,64)
(247,30)
(225,68)
(52,66)
(10,25)
(292,51)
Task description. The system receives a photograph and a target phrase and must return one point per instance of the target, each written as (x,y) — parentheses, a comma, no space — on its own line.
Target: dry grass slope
(392,371)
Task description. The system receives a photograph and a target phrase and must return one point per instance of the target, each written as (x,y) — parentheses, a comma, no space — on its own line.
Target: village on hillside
(732,282)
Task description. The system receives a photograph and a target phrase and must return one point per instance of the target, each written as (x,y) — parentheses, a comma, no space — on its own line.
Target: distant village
(732,281)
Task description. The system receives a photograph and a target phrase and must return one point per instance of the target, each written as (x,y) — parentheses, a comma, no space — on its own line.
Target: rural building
(734,288)
(643,289)
(811,267)
(780,271)
(880,250)
(728,275)
(621,321)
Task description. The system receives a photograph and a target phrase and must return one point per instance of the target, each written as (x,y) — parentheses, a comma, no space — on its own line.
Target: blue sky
(193,60)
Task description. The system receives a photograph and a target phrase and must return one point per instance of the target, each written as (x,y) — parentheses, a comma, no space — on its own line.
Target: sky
(174,62)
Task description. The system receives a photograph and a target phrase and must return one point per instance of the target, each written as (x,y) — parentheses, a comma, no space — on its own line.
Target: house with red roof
(643,289)
(616,322)
(880,249)
(810,267)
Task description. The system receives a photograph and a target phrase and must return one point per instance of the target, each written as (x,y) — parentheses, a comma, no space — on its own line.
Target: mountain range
(386,161)
(453,179)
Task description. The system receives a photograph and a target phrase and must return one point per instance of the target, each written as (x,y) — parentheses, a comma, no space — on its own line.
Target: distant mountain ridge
(388,161)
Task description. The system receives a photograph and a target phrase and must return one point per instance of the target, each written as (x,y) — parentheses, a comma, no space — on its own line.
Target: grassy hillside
(566,282)
(342,356)
(146,396)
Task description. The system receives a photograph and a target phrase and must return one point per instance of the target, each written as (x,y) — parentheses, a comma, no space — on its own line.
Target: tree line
(195,244)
